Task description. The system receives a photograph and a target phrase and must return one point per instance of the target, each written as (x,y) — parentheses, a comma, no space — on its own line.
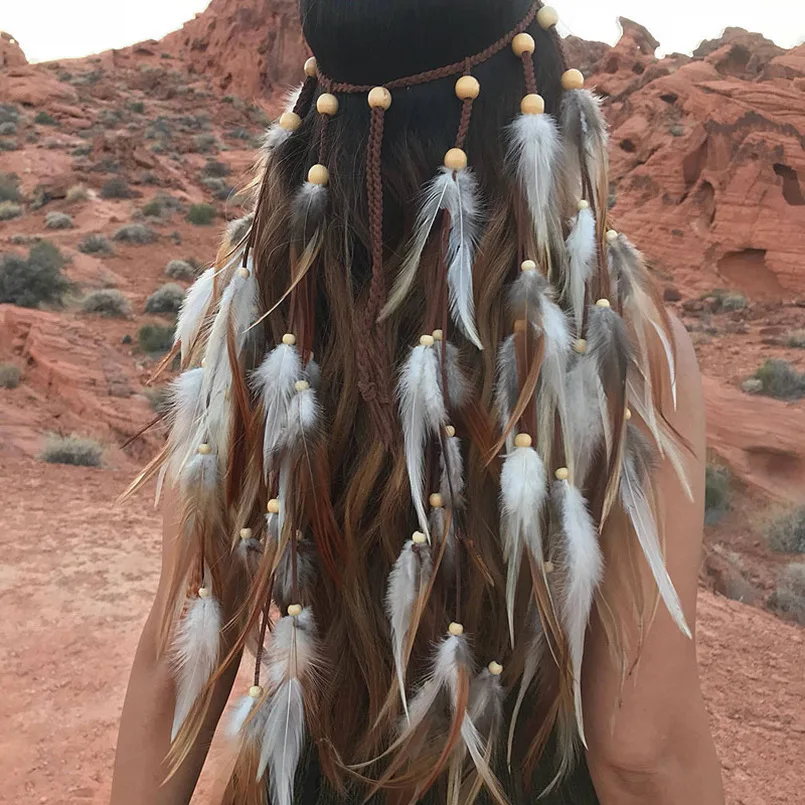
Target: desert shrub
(9,375)
(796,339)
(216,168)
(106,302)
(159,205)
(38,279)
(220,188)
(785,532)
(167,299)
(205,143)
(10,187)
(82,150)
(155,339)
(9,113)
(58,220)
(138,234)
(152,209)
(78,451)
(789,597)
(180,270)
(9,210)
(9,144)
(77,193)
(160,399)
(723,301)
(717,493)
(8,129)
(116,187)
(95,244)
(201,214)
(44,119)
(138,107)
(780,380)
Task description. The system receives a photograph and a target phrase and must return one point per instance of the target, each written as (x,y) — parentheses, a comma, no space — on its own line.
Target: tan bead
(532,104)
(244,273)
(289,339)
(436,501)
(204,592)
(379,98)
(450,431)
(495,668)
(528,265)
(580,346)
(455,159)
(628,414)
(467,88)
(612,236)
(562,474)
(203,362)
(295,610)
(455,629)
(549,567)
(246,533)
(327,104)
(301,385)
(311,67)
(547,17)
(273,506)
(319,175)
(290,121)
(523,440)
(572,79)
(523,43)
(427,341)
(438,335)
(520,326)
(255,691)
(584,205)
(603,303)
(204,450)
(418,538)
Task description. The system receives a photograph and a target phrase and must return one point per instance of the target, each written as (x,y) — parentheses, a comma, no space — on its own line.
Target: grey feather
(459,388)
(451,485)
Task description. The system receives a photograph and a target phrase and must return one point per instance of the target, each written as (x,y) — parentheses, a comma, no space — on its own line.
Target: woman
(427,451)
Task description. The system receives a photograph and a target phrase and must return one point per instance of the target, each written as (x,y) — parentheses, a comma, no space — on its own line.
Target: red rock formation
(11,54)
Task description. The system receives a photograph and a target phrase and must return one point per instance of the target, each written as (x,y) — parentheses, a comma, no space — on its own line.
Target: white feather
(411,572)
(451,485)
(187,431)
(438,520)
(240,715)
(194,308)
(522,492)
(534,146)
(422,412)
(459,388)
(200,473)
(584,566)
(581,251)
(303,419)
(276,135)
(194,655)
(585,423)
(638,509)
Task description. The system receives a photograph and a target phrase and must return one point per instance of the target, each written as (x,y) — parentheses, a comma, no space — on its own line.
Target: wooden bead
(523,43)
(244,273)
(255,691)
(204,449)
(580,346)
(379,98)
(572,79)
(436,501)
(273,506)
(628,414)
(438,335)
(547,17)
(301,385)
(450,431)
(418,538)
(327,104)
(584,205)
(532,104)
(290,121)
(246,533)
(318,174)
(523,440)
(467,88)
(311,67)
(528,265)
(455,629)
(562,474)
(204,592)
(427,341)
(455,159)
(495,668)
(295,610)
(603,303)
(289,339)
(612,236)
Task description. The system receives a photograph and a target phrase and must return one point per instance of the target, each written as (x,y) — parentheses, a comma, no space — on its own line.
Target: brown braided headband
(372,356)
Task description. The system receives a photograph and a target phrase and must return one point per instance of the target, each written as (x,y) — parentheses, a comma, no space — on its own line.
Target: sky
(54,29)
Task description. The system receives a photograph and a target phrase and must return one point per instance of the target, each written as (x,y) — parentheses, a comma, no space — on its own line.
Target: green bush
(106,302)
(8,129)
(796,339)
(785,533)
(167,299)
(9,210)
(201,214)
(138,107)
(154,339)
(153,209)
(138,234)
(216,168)
(180,270)
(44,119)
(780,380)
(58,220)
(204,143)
(725,301)
(220,188)
(77,451)
(116,187)
(10,187)
(789,597)
(9,144)
(9,375)
(77,193)
(95,244)
(717,493)
(34,281)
